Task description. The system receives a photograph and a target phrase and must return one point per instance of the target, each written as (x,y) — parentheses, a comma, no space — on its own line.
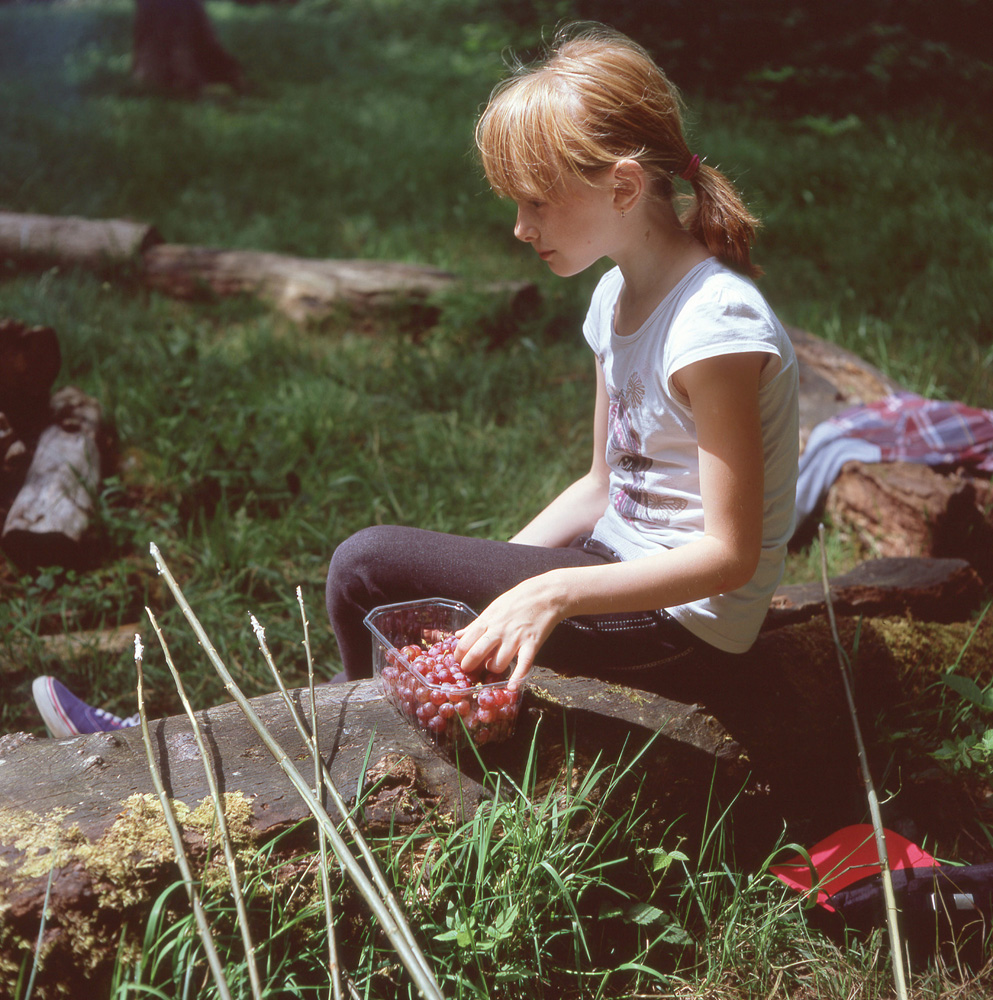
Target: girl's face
(573,231)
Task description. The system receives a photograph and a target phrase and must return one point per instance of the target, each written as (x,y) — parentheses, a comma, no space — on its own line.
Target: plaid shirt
(909,428)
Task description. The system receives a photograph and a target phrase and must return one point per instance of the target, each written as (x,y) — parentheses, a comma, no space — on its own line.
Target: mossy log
(84,807)
(770,728)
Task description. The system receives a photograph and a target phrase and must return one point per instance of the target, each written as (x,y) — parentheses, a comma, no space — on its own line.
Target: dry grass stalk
(239,901)
(213,960)
(339,803)
(892,913)
(402,941)
(333,965)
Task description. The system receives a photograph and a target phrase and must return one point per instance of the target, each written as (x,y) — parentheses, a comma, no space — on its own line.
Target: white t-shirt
(651,441)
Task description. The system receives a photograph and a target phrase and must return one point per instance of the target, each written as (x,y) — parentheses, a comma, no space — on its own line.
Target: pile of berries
(436,690)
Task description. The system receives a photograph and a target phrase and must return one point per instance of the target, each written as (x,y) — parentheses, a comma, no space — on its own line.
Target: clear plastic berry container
(412,646)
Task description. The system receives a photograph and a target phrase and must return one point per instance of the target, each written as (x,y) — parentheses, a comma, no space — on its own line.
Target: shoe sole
(51,712)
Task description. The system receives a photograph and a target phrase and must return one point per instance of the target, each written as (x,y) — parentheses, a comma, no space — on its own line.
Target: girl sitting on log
(676,537)
(674,540)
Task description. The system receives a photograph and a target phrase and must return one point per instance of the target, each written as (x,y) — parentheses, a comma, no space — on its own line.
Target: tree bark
(932,590)
(772,725)
(48,519)
(905,509)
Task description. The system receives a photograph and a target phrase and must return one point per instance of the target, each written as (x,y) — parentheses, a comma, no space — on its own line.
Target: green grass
(566,892)
(247,447)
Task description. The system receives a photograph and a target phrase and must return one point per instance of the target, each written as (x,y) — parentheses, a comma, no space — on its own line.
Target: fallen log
(307,289)
(98,827)
(48,519)
(772,724)
(301,288)
(932,590)
(72,240)
(905,509)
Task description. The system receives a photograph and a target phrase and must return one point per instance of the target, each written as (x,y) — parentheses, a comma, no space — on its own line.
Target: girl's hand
(516,624)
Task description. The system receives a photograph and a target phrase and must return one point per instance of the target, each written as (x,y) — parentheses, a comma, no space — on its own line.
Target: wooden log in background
(305,289)
(72,240)
(301,288)
(833,379)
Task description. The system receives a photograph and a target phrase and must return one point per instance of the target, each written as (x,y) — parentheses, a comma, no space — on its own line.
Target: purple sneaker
(66,715)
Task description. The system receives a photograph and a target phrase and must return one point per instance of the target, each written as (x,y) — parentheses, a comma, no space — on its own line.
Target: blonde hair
(598,97)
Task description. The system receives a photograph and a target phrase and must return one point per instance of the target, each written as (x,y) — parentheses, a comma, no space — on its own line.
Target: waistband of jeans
(588,543)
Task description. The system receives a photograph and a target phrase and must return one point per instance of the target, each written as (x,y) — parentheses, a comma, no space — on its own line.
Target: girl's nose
(524,228)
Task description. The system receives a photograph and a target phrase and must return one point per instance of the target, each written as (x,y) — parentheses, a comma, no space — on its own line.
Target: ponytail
(718,218)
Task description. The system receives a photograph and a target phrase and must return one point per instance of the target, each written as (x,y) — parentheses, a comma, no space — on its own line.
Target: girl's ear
(630,183)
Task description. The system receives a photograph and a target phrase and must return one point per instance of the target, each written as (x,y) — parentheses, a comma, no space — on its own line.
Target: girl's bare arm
(723,393)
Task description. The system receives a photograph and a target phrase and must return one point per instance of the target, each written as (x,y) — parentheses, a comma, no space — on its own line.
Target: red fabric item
(847,856)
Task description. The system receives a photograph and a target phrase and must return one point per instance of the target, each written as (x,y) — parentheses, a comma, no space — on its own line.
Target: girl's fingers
(475,647)
(525,660)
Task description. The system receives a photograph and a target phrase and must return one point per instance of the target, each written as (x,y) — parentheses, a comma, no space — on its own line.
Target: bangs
(528,140)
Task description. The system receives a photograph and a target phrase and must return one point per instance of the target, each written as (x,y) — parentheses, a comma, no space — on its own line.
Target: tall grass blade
(892,913)
(339,803)
(408,950)
(333,966)
(222,823)
(213,960)
(41,928)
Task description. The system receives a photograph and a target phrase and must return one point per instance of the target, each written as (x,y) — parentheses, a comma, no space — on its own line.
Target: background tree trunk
(175,49)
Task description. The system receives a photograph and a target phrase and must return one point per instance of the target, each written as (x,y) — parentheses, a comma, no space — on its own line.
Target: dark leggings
(386,564)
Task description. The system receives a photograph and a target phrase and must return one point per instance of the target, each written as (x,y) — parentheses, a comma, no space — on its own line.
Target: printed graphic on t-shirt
(634,500)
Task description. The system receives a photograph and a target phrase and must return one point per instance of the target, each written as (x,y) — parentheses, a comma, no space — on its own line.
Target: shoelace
(116,720)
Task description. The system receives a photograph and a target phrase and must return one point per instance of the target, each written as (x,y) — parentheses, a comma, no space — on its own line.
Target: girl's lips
(545,254)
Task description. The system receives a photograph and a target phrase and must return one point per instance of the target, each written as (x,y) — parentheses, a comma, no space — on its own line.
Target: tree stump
(30,359)
(48,519)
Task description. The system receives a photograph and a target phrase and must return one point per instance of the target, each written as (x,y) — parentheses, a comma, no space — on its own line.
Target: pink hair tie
(691,168)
